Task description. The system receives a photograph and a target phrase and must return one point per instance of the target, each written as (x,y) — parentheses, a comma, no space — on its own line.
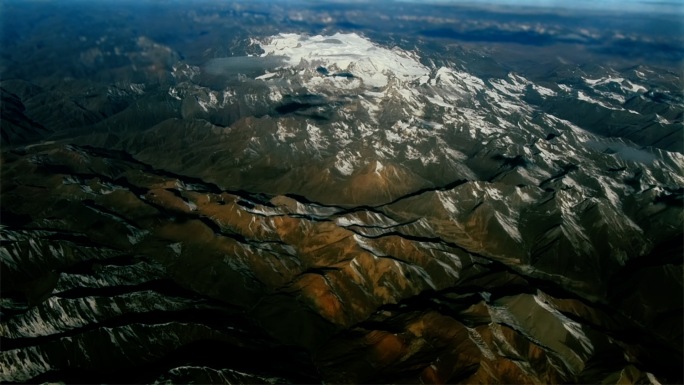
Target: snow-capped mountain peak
(346,55)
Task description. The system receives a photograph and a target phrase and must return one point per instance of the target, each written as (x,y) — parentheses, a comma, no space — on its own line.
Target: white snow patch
(378,167)
(661,120)
(176,247)
(543,91)
(652,378)
(457,81)
(191,205)
(447,202)
(346,162)
(586,98)
(625,84)
(316,141)
(266,76)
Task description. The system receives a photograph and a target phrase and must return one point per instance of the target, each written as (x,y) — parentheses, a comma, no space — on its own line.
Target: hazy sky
(668,6)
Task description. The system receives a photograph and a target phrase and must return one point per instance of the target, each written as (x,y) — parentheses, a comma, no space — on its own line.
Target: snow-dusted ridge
(378,105)
(399,106)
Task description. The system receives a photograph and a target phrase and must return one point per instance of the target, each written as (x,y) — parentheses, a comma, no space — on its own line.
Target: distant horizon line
(656,6)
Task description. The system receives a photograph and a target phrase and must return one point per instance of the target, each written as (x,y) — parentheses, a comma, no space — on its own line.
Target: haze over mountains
(339,192)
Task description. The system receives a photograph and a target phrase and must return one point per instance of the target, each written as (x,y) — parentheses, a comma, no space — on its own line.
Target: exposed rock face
(125,254)
(326,208)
